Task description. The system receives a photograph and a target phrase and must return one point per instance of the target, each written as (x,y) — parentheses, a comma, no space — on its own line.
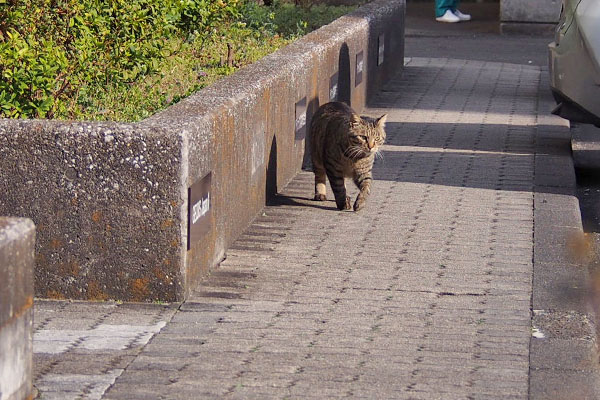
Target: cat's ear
(380,123)
(355,120)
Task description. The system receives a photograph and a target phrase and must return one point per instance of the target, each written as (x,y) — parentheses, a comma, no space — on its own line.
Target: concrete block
(563,354)
(561,287)
(106,199)
(532,11)
(17,238)
(585,144)
(141,211)
(550,384)
(531,17)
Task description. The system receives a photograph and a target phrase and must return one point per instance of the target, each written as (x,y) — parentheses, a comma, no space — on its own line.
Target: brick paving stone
(80,348)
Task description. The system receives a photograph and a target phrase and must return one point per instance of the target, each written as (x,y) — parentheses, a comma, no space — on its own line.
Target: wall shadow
(502,90)
(482,156)
(344,86)
(297,201)
(468,137)
(271,178)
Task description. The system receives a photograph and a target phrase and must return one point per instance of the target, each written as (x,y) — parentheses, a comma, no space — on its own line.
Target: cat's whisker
(353,152)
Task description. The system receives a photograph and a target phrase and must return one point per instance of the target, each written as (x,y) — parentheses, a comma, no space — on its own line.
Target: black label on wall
(333,87)
(301,119)
(359,68)
(381,47)
(199,209)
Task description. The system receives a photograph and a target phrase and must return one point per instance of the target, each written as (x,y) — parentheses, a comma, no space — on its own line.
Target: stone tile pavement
(451,284)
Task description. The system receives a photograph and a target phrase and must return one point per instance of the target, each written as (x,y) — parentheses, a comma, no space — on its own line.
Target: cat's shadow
(283,200)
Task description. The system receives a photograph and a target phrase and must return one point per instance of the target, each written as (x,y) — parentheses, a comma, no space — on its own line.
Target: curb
(563,347)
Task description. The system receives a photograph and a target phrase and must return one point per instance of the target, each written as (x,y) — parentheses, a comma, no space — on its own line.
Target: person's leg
(441,6)
(454,5)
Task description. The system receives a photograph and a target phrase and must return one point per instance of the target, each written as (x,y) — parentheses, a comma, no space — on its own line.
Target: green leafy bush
(51,50)
(126,59)
(288,19)
(30,76)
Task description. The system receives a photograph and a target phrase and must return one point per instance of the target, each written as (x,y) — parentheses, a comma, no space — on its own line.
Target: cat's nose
(371,144)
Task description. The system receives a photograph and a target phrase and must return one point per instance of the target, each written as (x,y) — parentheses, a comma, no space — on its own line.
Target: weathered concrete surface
(529,16)
(585,143)
(17,240)
(106,201)
(111,200)
(537,11)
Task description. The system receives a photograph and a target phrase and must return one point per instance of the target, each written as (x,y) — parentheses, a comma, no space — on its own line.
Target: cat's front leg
(320,185)
(363,182)
(338,187)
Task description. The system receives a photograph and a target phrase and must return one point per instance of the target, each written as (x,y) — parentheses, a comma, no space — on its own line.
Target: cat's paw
(345,206)
(348,204)
(359,204)
(320,197)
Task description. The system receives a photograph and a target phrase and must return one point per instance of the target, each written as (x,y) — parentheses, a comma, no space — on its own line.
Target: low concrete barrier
(17,239)
(140,211)
(529,16)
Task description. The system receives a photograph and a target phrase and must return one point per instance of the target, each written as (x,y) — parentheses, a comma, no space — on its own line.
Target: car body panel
(574,64)
(588,19)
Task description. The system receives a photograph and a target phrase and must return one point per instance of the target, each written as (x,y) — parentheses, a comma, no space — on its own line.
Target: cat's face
(366,136)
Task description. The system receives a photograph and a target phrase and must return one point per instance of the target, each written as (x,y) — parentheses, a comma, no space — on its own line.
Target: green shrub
(126,59)
(53,50)
(287,19)
(31,77)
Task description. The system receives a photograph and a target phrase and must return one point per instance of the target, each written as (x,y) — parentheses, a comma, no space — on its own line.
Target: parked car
(575,62)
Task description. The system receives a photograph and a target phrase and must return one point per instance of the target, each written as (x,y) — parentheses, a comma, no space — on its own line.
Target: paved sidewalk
(453,283)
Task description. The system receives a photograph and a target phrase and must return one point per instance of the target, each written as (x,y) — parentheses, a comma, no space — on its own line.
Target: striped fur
(343,145)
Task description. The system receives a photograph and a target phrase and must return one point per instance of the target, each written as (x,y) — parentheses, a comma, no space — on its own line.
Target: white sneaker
(461,16)
(448,17)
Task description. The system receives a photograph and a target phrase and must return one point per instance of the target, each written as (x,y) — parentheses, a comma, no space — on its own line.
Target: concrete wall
(17,239)
(529,16)
(111,201)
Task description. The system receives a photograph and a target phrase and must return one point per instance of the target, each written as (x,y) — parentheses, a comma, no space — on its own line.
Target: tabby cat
(344,144)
